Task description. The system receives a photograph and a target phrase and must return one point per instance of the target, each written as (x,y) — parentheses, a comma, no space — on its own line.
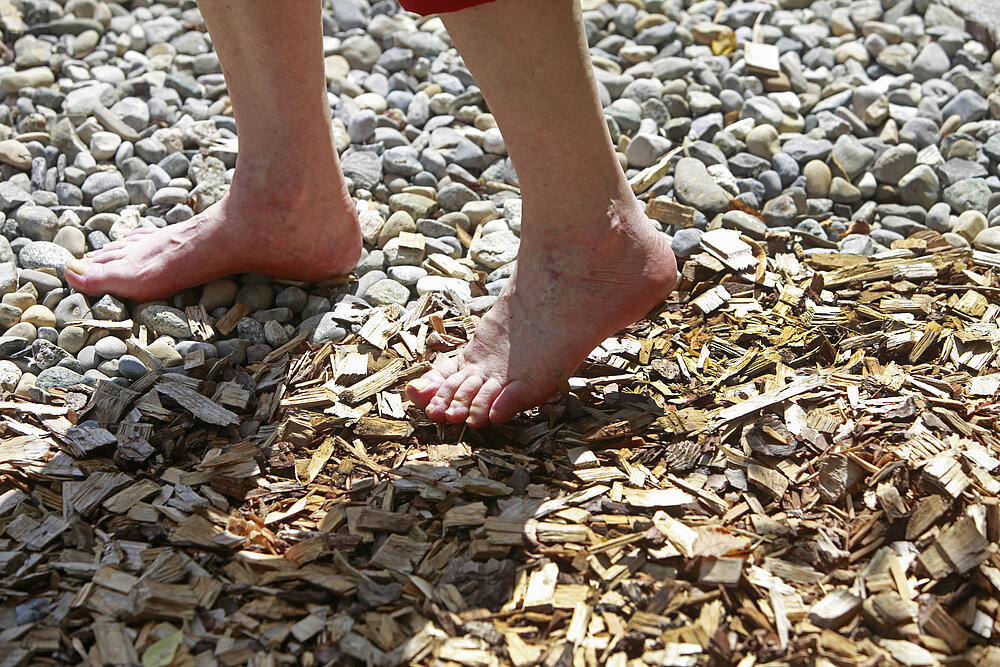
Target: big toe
(95,278)
(84,276)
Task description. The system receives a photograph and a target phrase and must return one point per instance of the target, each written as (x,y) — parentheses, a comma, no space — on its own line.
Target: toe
(106,255)
(442,399)
(458,411)
(516,396)
(422,390)
(479,411)
(87,276)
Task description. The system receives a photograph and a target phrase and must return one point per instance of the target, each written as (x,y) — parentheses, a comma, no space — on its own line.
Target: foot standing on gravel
(589,263)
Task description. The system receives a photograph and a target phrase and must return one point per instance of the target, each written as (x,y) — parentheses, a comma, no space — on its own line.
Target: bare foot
(292,230)
(569,292)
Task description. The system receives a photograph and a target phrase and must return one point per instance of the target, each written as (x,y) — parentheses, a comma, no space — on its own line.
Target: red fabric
(425,7)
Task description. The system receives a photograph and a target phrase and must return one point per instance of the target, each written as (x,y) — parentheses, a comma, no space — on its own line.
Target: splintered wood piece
(712,300)
(155,600)
(835,609)
(795,388)
(199,323)
(472,514)
(961,549)
(320,457)
(399,554)
(81,441)
(200,406)
(228,322)
(727,247)
(725,571)
(134,493)
(380,327)
(670,212)
(541,588)
(656,497)
(380,521)
(114,644)
(383,379)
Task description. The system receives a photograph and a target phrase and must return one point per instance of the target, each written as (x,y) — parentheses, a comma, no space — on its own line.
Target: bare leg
(590,262)
(288,213)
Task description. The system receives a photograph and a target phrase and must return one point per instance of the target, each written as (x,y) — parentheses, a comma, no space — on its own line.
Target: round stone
(58,376)
(218,294)
(386,292)
(72,239)
(818,179)
(72,339)
(763,141)
(496,250)
(110,347)
(130,367)
(9,375)
(166,321)
(988,239)
(166,353)
(39,315)
(969,225)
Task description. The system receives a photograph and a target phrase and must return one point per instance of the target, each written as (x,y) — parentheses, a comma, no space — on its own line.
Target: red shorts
(425,7)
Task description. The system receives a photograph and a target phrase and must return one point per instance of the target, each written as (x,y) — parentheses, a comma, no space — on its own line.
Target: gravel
(888,117)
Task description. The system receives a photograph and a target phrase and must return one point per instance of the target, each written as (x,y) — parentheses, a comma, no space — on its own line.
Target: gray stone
(762,110)
(166,321)
(686,242)
(9,375)
(109,308)
(58,377)
(110,347)
(11,345)
(695,187)
(803,149)
(646,149)
(920,186)
(901,225)
(37,223)
(251,330)
(325,329)
(780,211)
(256,296)
(750,225)
(894,163)
(275,334)
(931,62)
(46,354)
(857,244)
(387,291)
(495,250)
(44,254)
(851,156)
(968,105)
(969,194)
(131,368)
(72,307)
(938,217)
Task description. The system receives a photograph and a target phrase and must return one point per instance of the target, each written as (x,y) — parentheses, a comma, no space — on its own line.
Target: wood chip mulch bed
(794,462)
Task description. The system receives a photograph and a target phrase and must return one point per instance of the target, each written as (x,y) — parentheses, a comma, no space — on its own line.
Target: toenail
(420,384)
(77,266)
